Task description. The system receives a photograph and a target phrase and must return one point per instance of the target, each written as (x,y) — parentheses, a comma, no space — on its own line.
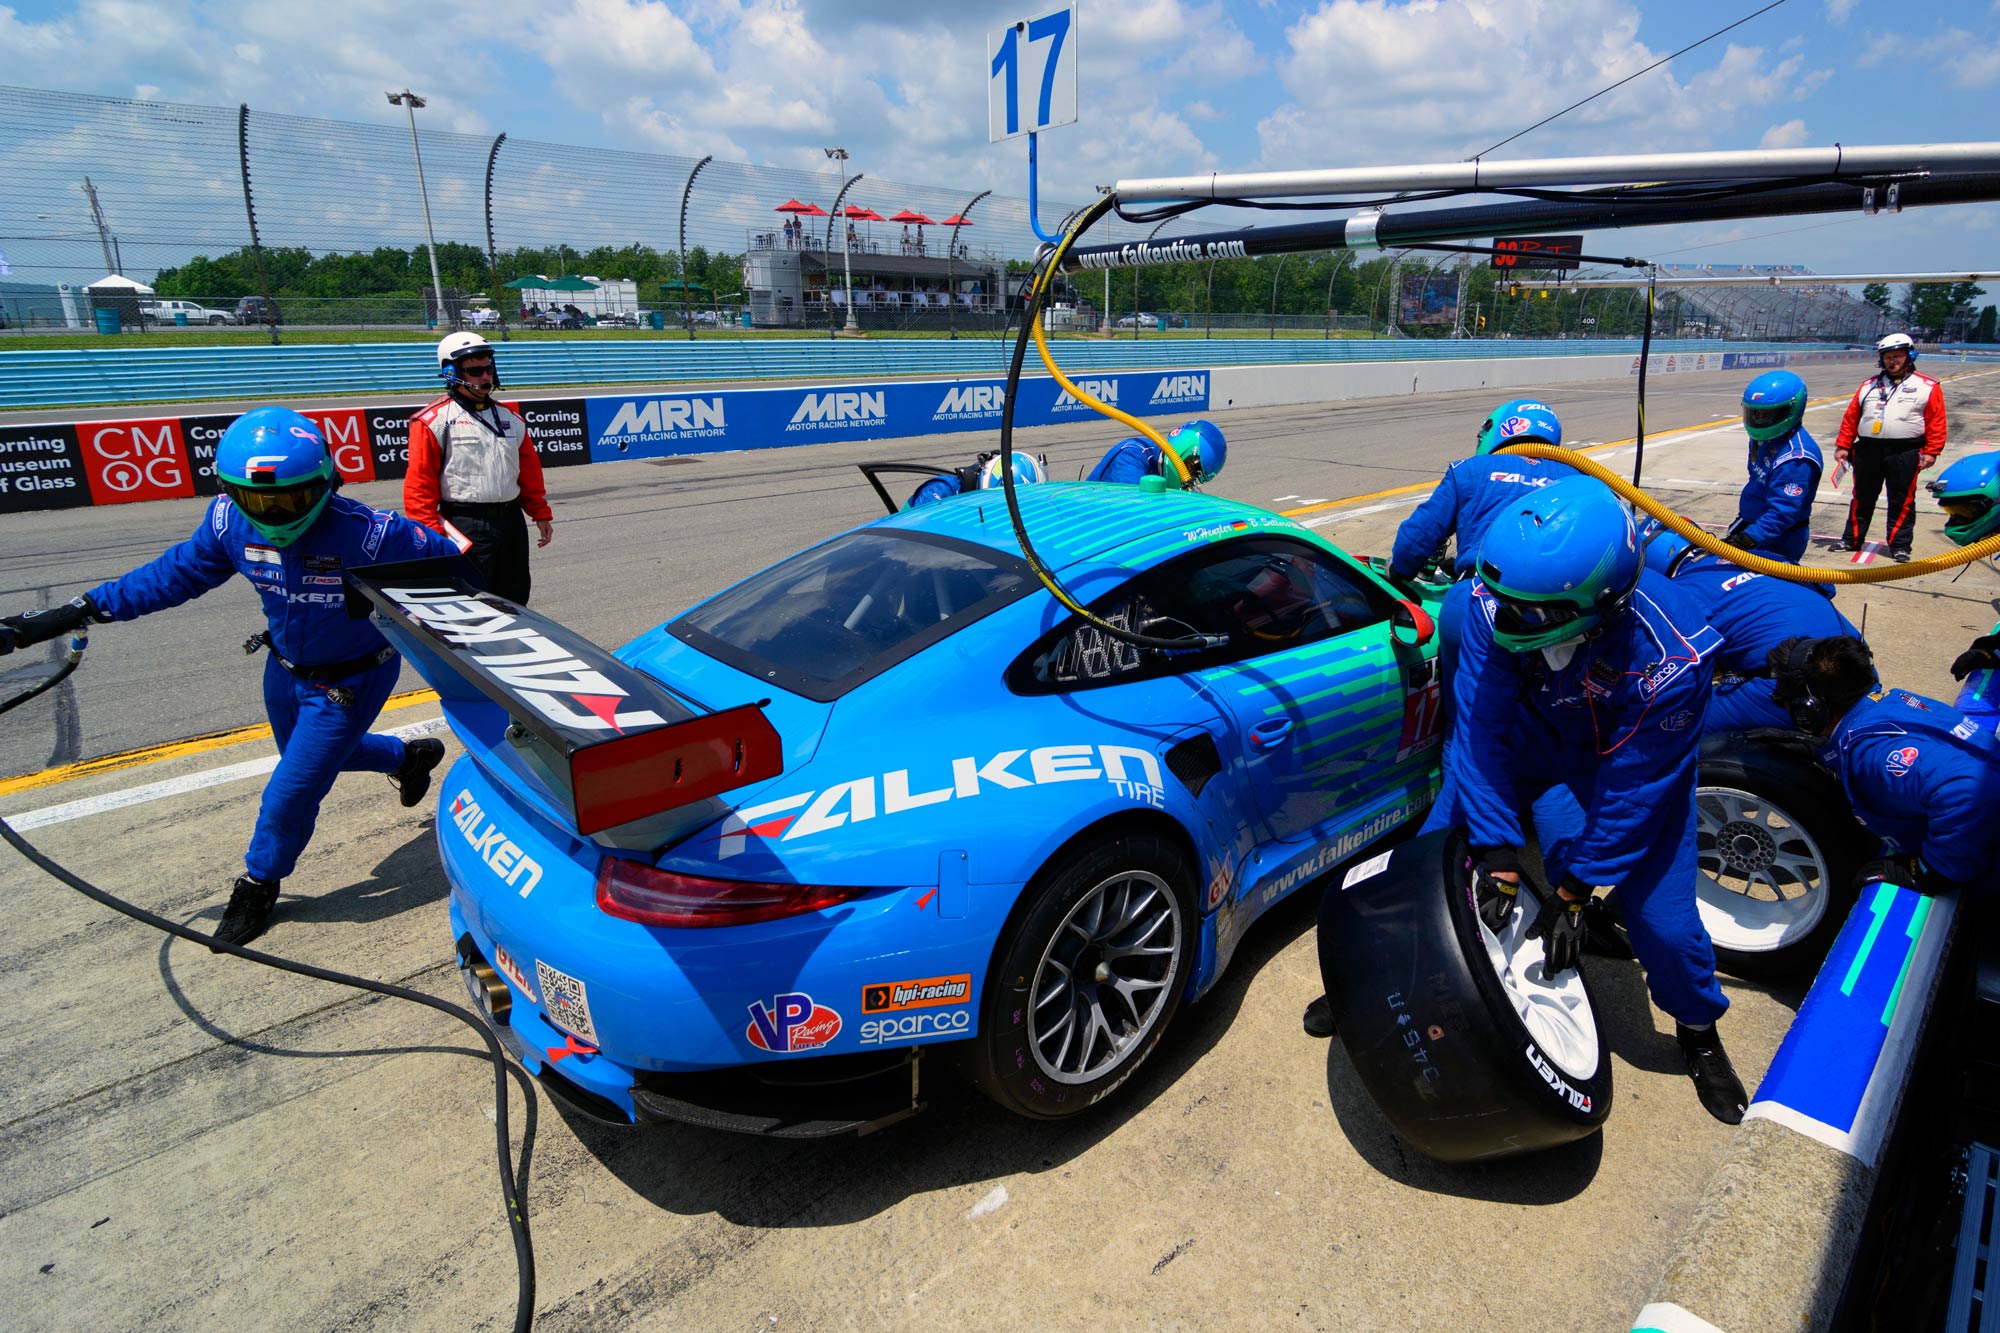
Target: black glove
(1898,870)
(1741,541)
(1560,928)
(33,627)
(1494,897)
(1983,655)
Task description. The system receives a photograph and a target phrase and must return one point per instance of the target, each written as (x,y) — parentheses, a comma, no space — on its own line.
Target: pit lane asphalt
(189,1142)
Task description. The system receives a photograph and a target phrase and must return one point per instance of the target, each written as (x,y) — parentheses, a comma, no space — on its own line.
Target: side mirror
(1411,625)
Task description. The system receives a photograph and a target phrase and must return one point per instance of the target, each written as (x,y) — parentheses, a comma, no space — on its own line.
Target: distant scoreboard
(1538,252)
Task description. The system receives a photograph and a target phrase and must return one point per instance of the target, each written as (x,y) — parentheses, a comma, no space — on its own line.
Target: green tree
(1877,295)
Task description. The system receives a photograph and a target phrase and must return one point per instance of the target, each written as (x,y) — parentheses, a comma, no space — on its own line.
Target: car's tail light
(636,891)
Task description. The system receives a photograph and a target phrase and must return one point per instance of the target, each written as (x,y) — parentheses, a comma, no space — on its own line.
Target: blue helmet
(1773,405)
(1559,562)
(1027,468)
(1969,490)
(1666,551)
(273,465)
(1199,444)
(1519,419)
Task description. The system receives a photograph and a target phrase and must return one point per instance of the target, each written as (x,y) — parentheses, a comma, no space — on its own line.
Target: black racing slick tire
(1778,847)
(1466,1049)
(1088,976)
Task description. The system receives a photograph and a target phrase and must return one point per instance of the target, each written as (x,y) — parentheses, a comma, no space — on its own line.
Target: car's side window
(1265,595)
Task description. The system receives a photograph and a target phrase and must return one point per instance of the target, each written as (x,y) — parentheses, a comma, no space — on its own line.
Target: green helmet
(1969,491)
(1773,405)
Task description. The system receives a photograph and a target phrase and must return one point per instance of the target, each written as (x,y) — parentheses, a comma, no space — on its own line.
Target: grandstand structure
(1742,306)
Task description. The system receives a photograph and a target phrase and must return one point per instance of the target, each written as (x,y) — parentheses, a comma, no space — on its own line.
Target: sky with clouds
(1166,86)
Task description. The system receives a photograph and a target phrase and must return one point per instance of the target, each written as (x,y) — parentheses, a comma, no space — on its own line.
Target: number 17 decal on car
(1423,712)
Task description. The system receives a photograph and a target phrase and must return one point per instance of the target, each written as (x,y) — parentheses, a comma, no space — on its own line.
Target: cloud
(1791,134)
(1838,10)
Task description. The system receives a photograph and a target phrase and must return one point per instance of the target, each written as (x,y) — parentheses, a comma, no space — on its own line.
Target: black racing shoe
(1900,557)
(1319,1018)
(1715,1080)
(413,776)
(249,911)
(1843,545)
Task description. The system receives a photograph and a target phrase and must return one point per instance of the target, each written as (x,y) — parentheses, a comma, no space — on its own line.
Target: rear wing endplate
(620,745)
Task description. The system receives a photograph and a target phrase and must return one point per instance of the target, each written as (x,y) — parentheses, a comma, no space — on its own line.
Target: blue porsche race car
(890,793)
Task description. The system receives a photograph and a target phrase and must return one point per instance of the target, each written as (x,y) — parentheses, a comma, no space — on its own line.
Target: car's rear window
(830,618)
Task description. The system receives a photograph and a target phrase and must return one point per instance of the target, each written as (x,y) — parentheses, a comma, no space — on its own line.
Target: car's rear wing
(614,744)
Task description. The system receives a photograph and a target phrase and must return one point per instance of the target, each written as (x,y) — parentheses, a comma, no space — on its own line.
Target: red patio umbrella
(956,221)
(862,214)
(911,215)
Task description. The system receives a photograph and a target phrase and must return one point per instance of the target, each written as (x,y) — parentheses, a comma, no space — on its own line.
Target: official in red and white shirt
(474,471)
(1894,429)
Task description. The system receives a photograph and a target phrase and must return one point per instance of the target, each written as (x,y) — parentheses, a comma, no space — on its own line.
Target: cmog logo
(842,408)
(791,1022)
(345,431)
(541,673)
(136,460)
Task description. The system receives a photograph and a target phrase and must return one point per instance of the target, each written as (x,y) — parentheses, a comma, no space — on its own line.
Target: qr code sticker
(566,1002)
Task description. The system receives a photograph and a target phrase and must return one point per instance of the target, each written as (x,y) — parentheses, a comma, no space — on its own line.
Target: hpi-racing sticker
(566,1002)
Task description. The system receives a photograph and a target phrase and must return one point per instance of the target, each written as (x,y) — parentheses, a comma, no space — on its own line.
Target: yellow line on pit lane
(152,754)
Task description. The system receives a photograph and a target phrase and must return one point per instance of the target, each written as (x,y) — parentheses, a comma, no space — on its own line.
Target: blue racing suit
(320,725)
(1924,779)
(1466,500)
(1979,697)
(1775,509)
(1754,614)
(935,489)
(1129,460)
(1604,750)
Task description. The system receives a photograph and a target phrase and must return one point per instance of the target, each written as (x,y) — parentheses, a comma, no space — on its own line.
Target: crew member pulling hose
(517,1212)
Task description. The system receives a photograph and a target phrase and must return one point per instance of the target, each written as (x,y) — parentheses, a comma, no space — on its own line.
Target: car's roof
(1081,523)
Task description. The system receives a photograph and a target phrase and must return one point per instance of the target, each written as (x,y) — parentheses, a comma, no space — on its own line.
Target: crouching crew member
(1198,444)
(280,525)
(1467,497)
(1893,429)
(1969,491)
(474,469)
(1920,775)
(1753,614)
(1774,513)
(982,475)
(1582,680)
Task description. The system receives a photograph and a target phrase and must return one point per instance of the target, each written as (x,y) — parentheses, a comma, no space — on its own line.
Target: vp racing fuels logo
(791,1022)
(890,794)
(528,664)
(490,843)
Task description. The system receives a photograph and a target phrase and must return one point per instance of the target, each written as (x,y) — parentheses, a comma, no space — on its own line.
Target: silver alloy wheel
(1555,1011)
(1764,883)
(1101,984)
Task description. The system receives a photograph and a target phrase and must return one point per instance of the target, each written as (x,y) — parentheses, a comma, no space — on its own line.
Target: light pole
(409,101)
(839,155)
(831,219)
(1338,264)
(1279,273)
(112,258)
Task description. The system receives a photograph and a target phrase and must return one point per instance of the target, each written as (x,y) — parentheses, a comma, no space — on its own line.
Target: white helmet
(455,347)
(1896,342)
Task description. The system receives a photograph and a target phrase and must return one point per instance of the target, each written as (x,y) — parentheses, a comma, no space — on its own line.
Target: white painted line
(1280,499)
(187,782)
(1666,1317)
(995,1199)
(1319,500)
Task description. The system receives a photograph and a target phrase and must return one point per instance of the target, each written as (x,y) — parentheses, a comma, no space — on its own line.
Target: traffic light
(1482,321)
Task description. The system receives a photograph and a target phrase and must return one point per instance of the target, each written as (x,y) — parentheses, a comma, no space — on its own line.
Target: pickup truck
(163,312)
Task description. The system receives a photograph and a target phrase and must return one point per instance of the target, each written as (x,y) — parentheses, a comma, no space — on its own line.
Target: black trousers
(1897,463)
(499,536)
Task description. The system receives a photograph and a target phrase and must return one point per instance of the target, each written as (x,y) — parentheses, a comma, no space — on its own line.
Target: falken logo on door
(512,971)
(888,997)
(566,1002)
(1900,762)
(792,1022)
(502,855)
(543,675)
(890,793)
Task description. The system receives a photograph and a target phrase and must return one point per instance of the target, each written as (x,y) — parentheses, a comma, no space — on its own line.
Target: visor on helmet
(1517,618)
(276,506)
(1760,417)
(1966,508)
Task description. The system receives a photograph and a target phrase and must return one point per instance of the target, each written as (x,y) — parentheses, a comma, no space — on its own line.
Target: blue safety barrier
(124,374)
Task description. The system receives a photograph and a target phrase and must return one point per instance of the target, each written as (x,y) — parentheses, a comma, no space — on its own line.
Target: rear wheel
(1088,978)
(1777,851)
(217,319)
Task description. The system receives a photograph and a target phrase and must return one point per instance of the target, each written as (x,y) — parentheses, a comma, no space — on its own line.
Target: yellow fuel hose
(1756,564)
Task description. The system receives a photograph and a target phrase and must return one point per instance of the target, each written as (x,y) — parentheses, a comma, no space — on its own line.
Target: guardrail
(182,374)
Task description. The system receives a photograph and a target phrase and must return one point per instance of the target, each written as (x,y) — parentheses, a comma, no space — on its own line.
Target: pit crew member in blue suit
(1774,513)
(1754,613)
(1582,679)
(1471,492)
(983,475)
(1198,444)
(1969,491)
(280,525)
(1921,776)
